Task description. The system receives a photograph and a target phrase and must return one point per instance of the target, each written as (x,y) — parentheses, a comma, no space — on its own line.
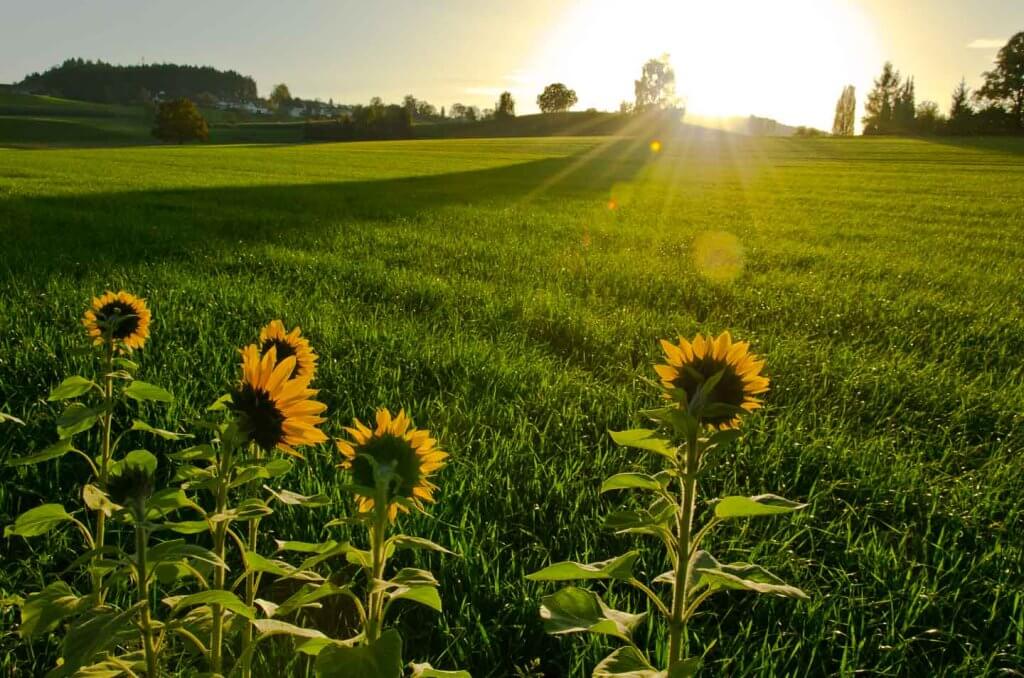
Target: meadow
(510,294)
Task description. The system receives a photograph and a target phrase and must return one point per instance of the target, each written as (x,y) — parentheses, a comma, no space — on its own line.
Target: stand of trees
(106,83)
(843,124)
(372,122)
(996,108)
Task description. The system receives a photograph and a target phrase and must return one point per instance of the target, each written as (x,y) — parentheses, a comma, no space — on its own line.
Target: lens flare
(718,256)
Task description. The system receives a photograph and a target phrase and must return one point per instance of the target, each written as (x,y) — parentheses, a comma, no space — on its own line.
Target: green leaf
(751,507)
(576,610)
(72,387)
(363,559)
(43,611)
(187,526)
(620,567)
(139,425)
(626,662)
(58,449)
(98,631)
(295,499)
(403,541)
(382,659)
(141,391)
(254,562)
(644,439)
(305,546)
(220,403)
(37,521)
(225,599)
(424,595)
(278,467)
(175,550)
(310,594)
(739,576)
(724,438)
(427,671)
(126,364)
(632,481)
(411,576)
(77,418)
(202,452)
(268,628)
(168,500)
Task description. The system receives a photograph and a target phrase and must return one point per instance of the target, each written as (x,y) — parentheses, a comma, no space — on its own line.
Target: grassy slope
(881,281)
(33,121)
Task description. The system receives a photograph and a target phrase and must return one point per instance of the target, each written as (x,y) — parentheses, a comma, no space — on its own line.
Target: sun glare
(788,60)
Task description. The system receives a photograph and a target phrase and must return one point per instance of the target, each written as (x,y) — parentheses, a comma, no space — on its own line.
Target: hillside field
(510,294)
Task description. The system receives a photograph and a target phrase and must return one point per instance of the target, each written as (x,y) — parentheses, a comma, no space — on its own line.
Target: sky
(785,59)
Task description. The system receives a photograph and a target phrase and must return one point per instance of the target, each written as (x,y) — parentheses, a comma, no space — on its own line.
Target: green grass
(881,280)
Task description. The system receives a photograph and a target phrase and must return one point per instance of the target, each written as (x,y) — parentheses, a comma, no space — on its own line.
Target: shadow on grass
(1012,145)
(47,235)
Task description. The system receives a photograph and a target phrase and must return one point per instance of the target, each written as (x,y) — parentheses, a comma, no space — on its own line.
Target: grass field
(486,286)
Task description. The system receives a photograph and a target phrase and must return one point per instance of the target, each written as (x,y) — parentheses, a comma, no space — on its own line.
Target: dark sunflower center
(119,318)
(284,349)
(388,450)
(260,419)
(131,484)
(728,390)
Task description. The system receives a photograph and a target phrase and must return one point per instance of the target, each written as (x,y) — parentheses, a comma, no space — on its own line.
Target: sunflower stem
(378,532)
(684,529)
(219,542)
(107,423)
(145,620)
(250,581)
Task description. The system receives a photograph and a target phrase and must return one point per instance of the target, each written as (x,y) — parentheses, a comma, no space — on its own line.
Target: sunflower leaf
(72,387)
(4,418)
(77,418)
(225,599)
(143,391)
(382,659)
(58,449)
(295,499)
(425,670)
(626,662)
(139,425)
(644,439)
(576,610)
(620,567)
(632,481)
(37,521)
(404,541)
(752,507)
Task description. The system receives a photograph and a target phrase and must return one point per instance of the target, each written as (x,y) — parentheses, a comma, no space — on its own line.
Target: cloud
(986,43)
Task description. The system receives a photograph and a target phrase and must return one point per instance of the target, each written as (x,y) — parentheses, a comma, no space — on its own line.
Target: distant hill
(101,82)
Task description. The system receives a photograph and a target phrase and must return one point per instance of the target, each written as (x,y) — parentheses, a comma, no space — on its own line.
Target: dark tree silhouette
(928,119)
(656,88)
(1004,84)
(179,120)
(961,114)
(843,124)
(556,98)
(506,106)
(905,107)
(879,115)
(280,96)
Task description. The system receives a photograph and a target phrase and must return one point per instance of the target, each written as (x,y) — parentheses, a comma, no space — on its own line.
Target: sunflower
(274,409)
(121,317)
(410,453)
(690,364)
(289,344)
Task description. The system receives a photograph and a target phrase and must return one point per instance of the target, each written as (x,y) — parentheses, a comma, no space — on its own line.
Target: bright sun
(787,59)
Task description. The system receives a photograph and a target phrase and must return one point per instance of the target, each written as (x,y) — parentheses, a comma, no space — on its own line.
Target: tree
(409,102)
(179,120)
(656,88)
(556,98)
(961,114)
(280,97)
(846,107)
(1004,84)
(905,107)
(928,119)
(425,110)
(506,106)
(878,110)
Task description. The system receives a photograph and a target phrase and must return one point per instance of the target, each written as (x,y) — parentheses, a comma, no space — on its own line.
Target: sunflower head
(289,344)
(130,484)
(690,364)
(275,410)
(118,317)
(400,457)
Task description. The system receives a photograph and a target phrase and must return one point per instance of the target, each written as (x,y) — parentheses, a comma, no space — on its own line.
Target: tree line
(997,107)
(101,82)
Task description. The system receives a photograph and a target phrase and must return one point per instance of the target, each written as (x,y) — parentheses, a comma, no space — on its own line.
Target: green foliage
(180,121)
(556,98)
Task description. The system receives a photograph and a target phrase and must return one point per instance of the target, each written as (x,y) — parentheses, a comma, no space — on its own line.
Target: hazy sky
(786,59)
